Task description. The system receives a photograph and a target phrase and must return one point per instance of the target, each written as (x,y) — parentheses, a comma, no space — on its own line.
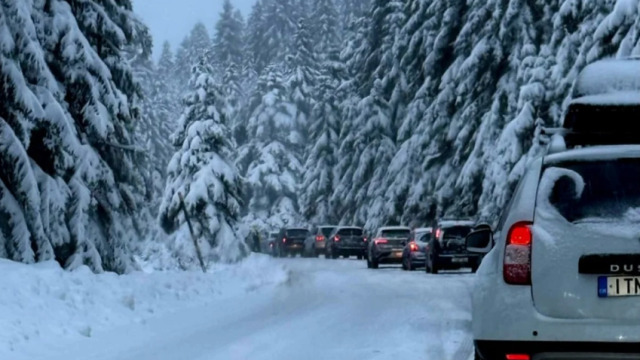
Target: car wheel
(404,264)
(374,263)
(410,266)
(369,264)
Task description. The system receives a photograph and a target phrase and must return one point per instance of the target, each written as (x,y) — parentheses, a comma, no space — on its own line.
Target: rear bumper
(388,257)
(417,257)
(552,350)
(456,261)
(320,245)
(293,247)
(350,250)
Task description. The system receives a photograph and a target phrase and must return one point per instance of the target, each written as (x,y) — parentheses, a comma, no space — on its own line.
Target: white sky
(173,19)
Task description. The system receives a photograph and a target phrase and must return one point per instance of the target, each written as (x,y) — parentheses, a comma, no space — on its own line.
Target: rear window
(456,232)
(326,231)
(396,233)
(350,232)
(594,191)
(297,232)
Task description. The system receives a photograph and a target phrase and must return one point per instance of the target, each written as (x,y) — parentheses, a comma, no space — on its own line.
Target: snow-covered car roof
(450,223)
(607,152)
(607,77)
(328,226)
(622,98)
(296,228)
(422,230)
(394,228)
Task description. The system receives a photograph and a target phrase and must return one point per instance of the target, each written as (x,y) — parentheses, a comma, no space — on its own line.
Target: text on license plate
(397,254)
(618,286)
(459,260)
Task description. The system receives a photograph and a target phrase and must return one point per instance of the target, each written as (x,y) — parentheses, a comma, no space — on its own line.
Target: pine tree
(201,171)
(193,47)
(318,178)
(73,185)
(273,168)
(303,74)
(228,41)
(325,27)
(279,30)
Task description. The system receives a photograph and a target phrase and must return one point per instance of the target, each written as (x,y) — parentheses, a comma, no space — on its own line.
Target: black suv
(447,248)
(346,241)
(290,241)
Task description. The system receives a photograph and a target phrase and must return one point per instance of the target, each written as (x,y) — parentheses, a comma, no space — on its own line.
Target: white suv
(561,275)
(564,274)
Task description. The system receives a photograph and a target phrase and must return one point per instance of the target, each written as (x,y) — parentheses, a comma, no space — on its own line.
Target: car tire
(410,266)
(369,264)
(374,263)
(404,264)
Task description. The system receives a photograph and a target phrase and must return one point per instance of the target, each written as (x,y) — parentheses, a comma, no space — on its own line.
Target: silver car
(413,254)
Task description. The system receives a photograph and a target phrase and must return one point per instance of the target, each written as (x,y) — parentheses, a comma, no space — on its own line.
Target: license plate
(397,254)
(611,286)
(460,260)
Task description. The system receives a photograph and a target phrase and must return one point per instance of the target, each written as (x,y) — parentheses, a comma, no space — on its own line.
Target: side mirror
(480,241)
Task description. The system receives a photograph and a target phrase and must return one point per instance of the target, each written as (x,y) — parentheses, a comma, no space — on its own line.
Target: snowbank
(41,303)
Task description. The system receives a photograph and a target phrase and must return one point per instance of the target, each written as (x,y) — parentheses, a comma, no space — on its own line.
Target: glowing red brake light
(284,240)
(381,241)
(319,238)
(336,238)
(438,233)
(520,235)
(517,256)
(364,239)
(518,357)
(413,246)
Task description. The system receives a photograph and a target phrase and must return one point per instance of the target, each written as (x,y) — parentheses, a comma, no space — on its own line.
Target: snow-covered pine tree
(302,78)
(202,172)
(193,47)
(280,24)
(273,169)
(324,28)
(228,41)
(72,185)
(318,178)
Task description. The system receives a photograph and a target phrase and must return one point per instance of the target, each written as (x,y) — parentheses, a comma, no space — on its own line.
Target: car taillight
(517,255)
(413,246)
(438,233)
(284,240)
(336,238)
(364,239)
(319,238)
(518,357)
(381,241)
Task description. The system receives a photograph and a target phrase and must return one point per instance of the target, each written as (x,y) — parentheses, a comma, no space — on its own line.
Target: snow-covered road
(329,309)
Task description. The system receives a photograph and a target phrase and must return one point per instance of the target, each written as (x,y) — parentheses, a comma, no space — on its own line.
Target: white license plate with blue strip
(612,286)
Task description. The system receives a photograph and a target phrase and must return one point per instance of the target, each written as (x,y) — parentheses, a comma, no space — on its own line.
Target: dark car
(291,241)
(347,241)
(386,247)
(413,254)
(447,248)
(316,243)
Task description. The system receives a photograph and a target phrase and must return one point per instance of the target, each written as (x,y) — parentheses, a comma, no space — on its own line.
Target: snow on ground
(317,309)
(43,304)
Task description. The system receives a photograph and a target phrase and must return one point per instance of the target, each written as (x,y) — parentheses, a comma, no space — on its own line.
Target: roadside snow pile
(42,301)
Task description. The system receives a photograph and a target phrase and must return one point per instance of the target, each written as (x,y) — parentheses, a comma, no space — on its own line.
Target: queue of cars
(434,250)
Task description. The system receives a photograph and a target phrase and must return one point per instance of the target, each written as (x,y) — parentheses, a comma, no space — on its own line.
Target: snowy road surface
(329,309)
